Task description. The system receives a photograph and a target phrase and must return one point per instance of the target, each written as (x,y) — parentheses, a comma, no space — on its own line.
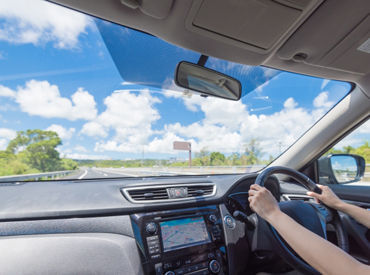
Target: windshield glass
(94,99)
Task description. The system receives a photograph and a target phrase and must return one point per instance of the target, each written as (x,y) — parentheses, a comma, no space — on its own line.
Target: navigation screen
(183,233)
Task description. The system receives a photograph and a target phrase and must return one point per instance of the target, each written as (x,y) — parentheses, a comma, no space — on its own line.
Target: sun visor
(352,54)
(255,24)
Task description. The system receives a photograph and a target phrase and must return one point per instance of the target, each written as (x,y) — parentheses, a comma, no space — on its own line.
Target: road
(91,173)
(100,173)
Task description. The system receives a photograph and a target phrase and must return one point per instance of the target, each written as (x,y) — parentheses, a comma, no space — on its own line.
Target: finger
(252,192)
(313,194)
(255,187)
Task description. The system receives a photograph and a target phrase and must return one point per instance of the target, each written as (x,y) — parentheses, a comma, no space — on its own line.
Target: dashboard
(189,231)
(163,225)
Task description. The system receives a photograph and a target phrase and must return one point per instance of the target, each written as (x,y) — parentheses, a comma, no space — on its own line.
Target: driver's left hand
(262,202)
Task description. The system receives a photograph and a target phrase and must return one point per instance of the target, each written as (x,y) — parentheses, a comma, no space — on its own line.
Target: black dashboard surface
(77,198)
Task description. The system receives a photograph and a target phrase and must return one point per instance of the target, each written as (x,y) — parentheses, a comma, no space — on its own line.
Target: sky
(109,93)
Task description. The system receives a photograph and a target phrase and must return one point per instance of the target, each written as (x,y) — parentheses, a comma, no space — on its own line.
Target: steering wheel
(312,216)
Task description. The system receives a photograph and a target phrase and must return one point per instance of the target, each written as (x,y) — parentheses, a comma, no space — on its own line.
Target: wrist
(274,216)
(341,206)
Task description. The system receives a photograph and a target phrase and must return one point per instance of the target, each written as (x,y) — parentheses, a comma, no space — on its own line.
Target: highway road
(100,173)
(91,173)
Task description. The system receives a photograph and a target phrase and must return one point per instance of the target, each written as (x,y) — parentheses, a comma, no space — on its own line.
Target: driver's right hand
(327,197)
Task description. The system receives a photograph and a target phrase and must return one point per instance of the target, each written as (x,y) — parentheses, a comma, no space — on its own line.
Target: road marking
(105,175)
(83,175)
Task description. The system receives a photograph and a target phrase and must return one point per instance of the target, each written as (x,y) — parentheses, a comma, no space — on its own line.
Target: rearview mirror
(207,82)
(341,168)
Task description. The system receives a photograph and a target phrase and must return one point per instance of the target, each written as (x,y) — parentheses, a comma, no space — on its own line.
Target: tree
(37,148)
(216,158)
(253,152)
(203,158)
(364,151)
(234,159)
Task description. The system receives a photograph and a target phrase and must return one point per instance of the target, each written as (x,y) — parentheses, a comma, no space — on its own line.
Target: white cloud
(40,98)
(6,92)
(290,103)
(321,101)
(62,132)
(86,156)
(39,22)
(130,115)
(358,137)
(5,136)
(80,148)
(324,83)
(94,129)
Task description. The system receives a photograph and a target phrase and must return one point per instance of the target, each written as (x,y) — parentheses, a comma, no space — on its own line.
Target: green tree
(203,158)
(253,152)
(234,159)
(37,148)
(69,164)
(216,158)
(364,151)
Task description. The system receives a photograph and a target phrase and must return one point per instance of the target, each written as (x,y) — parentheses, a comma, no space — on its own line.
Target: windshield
(93,99)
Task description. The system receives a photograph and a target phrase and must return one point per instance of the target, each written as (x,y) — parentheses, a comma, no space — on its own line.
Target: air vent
(291,197)
(148,194)
(168,193)
(200,190)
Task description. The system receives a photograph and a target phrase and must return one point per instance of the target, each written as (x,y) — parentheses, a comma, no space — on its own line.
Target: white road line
(105,175)
(113,171)
(83,175)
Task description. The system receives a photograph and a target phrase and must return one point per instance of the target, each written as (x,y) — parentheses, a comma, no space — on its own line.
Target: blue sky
(56,73)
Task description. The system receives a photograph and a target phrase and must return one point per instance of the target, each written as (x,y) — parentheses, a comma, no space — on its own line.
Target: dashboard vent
(200,190)
(150,194)
(293,197)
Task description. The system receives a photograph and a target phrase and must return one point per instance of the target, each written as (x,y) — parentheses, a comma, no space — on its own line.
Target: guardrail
(48,175)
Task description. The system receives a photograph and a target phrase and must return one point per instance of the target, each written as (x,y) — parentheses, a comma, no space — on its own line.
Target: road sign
(181,145)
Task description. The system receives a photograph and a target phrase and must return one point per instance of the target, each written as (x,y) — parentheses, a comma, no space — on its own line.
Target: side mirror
(207,82)
(341,168)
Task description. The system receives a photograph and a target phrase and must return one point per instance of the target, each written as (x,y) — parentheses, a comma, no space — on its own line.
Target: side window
(348,162)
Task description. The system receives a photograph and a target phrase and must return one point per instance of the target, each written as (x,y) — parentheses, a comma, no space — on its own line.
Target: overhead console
(255,25)
(186,241)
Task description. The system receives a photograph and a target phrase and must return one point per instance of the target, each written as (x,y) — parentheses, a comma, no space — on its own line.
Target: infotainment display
(182,233)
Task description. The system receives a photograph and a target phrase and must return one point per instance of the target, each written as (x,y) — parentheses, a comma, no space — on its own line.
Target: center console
(185,241)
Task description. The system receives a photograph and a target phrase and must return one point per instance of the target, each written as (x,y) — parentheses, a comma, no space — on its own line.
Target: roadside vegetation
(33,151)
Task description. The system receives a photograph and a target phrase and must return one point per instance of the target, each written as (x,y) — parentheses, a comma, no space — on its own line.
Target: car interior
(119,225)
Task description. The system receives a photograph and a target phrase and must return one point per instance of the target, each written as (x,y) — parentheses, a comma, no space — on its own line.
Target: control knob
(212,218)
(214,266)
(151,228)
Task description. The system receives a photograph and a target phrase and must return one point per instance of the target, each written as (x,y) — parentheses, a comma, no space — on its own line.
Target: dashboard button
(177,264)
(214,266)
(212,218)
(151,228)
(158,269)
(229,222)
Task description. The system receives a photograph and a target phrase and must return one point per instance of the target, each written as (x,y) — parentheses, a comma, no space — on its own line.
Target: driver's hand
(262,201)
(327,197)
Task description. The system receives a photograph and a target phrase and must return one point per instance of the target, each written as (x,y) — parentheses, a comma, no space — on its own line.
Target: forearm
(319,253)
(359,214)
